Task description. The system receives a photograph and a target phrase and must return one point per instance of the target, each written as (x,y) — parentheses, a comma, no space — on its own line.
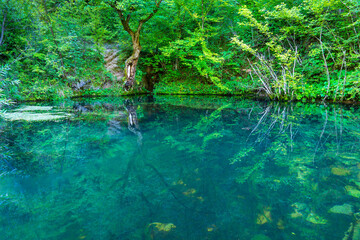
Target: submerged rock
(299,206)
(158,230)
(300,209)
(315,219)
(296,214)
(163,227)
(353,191)
(346,209)
(264,217)
(340,171)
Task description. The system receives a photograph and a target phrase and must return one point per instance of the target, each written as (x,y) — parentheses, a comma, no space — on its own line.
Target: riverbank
(186,87)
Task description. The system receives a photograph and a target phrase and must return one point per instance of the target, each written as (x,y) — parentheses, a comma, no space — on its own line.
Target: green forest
(179,119)
(302,50)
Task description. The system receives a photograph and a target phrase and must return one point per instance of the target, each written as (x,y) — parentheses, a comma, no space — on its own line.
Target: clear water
(179,168)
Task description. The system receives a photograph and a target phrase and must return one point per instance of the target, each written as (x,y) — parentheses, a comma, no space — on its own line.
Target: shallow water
(179,168)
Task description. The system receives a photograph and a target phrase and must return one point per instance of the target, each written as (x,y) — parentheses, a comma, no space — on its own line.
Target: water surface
(179,168)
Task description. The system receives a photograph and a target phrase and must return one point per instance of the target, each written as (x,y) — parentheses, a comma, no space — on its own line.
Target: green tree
(133,14)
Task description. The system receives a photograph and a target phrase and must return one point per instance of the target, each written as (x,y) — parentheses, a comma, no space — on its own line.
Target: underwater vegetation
(179,168)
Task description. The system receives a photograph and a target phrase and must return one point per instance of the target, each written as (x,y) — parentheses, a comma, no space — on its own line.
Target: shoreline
(237,95)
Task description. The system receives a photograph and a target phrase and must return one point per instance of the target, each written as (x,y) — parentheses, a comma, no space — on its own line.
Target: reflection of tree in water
(148,176)
(133,123)
(285,155)
(138,167)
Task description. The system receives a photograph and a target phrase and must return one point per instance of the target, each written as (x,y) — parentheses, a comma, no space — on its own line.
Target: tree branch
(3,27)
(124,21)
(144,20)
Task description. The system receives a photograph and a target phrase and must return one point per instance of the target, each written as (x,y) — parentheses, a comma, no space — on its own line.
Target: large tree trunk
(130,66)
(132,61)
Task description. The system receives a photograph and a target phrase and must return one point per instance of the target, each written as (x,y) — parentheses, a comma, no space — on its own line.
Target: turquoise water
(179,168)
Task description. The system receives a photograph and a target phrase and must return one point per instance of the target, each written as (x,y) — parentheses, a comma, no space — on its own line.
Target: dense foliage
(286,50)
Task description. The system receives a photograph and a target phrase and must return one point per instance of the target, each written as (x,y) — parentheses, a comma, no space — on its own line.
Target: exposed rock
(112,58)
(346,209)
(107,85)
(82,85)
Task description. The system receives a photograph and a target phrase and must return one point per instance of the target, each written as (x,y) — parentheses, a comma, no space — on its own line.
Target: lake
(179,167)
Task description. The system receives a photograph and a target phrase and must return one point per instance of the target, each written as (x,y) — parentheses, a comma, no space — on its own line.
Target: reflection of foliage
(240,155)
(228,167)
(291,152)
(286,148)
